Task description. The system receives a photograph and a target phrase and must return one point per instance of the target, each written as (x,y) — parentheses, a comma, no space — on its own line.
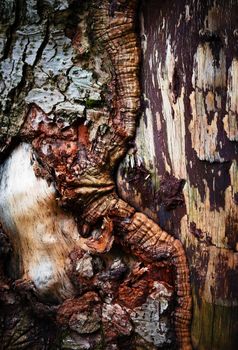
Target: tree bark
(75,254)
(183,169)
(81,257)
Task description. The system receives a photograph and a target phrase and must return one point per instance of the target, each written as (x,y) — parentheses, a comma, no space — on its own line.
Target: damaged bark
(189,78)
(81,256)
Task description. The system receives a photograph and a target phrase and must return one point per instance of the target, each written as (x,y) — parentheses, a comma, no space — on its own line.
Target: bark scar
(82,171)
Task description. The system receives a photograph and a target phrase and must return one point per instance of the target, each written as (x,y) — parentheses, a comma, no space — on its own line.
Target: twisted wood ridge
(82,170)
(115,30)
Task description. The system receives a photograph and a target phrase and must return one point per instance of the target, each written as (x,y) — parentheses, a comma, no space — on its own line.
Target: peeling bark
(189,77)
(77,103)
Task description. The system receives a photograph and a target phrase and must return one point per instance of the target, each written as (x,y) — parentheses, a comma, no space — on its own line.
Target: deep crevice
(11,30)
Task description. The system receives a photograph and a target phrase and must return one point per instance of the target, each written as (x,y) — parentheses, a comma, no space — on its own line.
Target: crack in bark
(43,44)
(11,31)
(83,174)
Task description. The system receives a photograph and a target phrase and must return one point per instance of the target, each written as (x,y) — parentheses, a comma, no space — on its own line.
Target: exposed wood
(73,105)
(189,130)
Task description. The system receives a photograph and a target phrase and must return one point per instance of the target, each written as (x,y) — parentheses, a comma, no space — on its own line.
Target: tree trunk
(84,269)
(81,267)
(183,170)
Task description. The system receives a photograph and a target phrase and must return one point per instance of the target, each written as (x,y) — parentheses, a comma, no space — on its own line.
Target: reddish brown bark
(82,172)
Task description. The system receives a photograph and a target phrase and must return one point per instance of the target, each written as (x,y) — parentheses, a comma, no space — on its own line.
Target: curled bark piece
(150,243)
(114,30)
(80,174)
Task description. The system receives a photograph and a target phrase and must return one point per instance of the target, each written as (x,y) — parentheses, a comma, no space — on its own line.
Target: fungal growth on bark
(80,254)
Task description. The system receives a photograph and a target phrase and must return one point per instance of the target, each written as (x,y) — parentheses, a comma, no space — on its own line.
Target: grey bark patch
(149,320)
(40,64)
(45,99)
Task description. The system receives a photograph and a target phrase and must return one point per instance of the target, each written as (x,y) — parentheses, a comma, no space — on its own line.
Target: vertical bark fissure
(11,30)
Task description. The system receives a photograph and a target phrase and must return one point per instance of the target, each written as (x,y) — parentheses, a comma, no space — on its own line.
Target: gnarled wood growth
(66,158)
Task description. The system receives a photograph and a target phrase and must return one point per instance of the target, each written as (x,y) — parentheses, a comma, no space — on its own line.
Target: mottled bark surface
(82,269)
(186,151)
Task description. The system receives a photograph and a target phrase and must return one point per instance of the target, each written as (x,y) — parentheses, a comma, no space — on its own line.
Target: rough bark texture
(186,151)
(70,99)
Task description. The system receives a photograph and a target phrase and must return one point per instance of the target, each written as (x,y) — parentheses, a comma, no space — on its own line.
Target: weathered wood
(186,151)
(72,109)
